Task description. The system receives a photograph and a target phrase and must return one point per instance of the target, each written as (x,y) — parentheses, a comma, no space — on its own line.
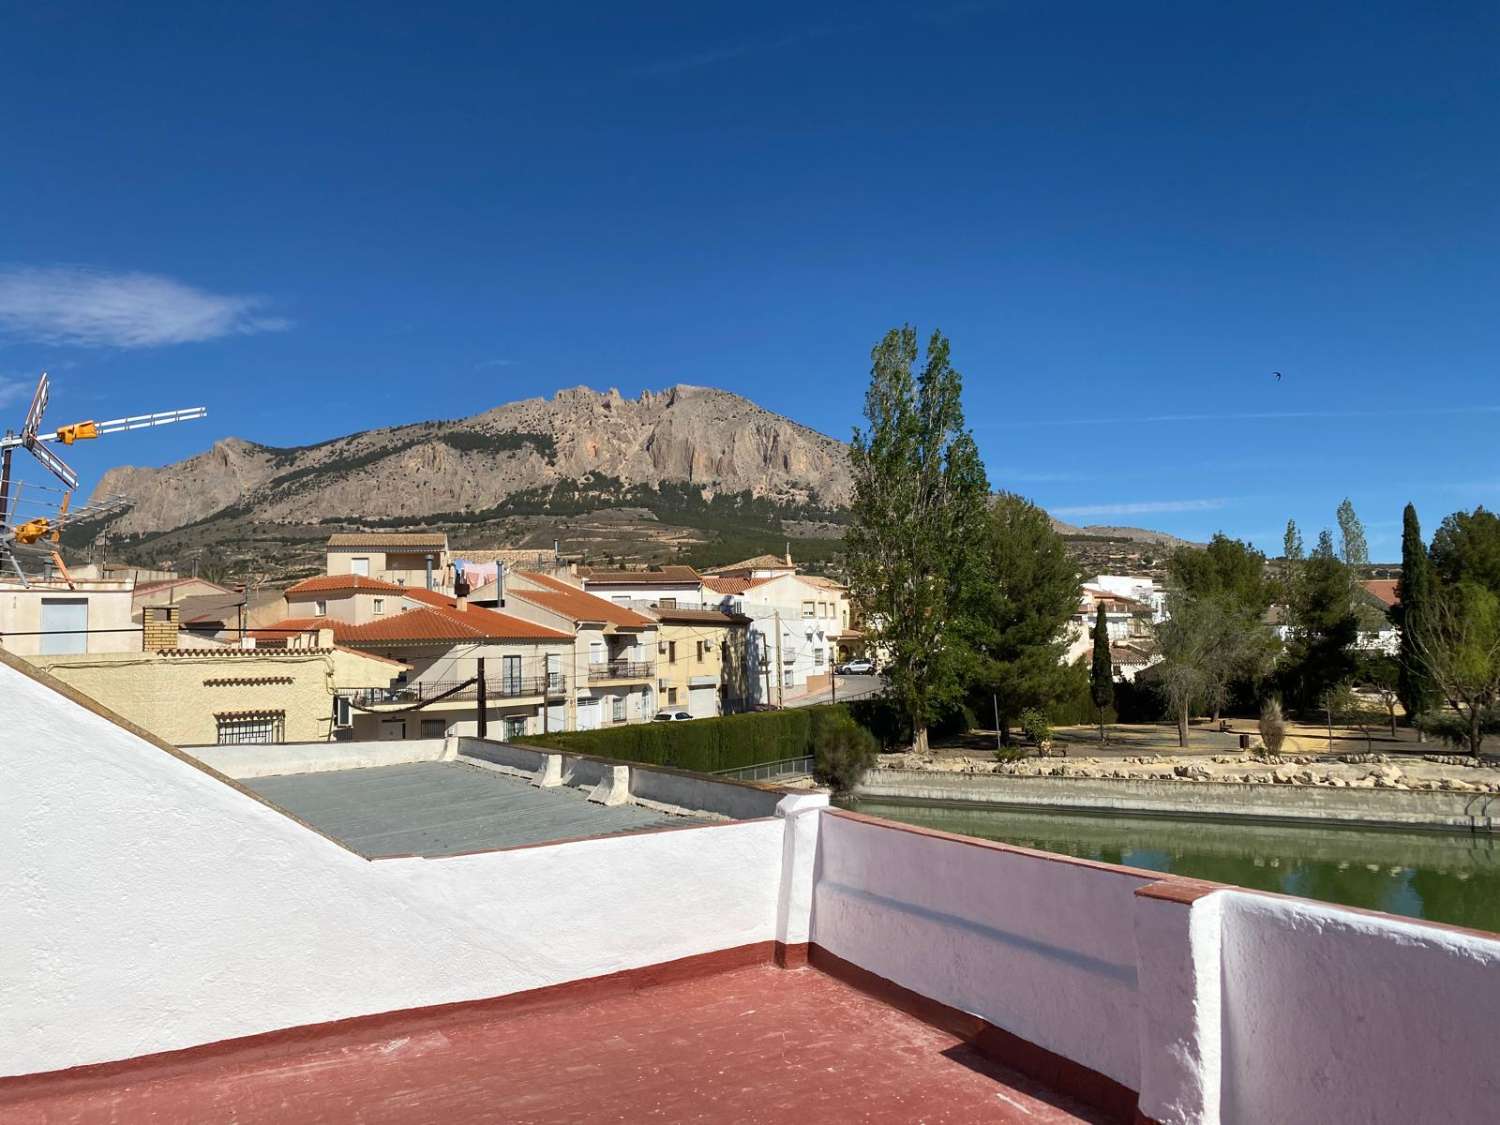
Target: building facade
(416,560)
(702,661)
(53,617)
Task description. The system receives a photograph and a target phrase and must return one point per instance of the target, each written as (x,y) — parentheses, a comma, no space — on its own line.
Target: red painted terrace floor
(757,1044)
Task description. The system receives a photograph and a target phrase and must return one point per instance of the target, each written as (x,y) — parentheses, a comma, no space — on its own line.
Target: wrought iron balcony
(495,687)
(622,670)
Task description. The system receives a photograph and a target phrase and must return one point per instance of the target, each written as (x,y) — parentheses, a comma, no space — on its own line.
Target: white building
(798,623)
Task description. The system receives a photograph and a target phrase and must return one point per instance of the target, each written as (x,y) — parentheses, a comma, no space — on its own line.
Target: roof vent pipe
(500,585)
(429,572)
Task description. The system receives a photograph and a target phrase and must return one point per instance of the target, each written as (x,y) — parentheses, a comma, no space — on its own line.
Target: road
(850,688)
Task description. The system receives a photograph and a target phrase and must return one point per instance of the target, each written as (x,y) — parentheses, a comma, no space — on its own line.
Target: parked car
(859,667)
(670,717)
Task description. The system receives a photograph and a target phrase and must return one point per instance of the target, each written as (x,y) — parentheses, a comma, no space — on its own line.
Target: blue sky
(316,219)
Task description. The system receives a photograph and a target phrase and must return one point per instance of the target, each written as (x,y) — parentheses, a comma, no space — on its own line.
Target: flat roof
(755,1045)
(445,808)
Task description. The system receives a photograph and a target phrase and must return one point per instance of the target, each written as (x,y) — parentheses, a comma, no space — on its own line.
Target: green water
(1443,877)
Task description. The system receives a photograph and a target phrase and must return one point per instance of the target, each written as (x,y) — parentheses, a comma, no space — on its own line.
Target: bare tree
(1458,644)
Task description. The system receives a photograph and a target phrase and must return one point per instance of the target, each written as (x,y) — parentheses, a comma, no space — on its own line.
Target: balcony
(501,687)
(622,670)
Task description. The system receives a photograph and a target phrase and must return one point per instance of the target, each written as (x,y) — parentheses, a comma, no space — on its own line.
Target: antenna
(31,439)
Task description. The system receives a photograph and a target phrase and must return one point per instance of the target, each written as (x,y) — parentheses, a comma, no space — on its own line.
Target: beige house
(438,642)
(199,697)
(416,560)
(612,664)
(55,617)
(701,661)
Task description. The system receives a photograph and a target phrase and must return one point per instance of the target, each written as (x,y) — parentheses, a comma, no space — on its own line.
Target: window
(360,567)
(617,708)
(515,727)
(668,603)
(596,652)
(671,695)
(671,652)
(700,652)
(320,609)
(510,675)
(817,658)
(379,605)
(434,728)
(244,730)
(621,599)
(809,609)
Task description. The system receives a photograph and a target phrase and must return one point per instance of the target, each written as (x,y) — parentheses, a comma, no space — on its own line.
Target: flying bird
(1278,375)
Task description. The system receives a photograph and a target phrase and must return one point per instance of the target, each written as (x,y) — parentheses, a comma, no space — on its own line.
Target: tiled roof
(689,615)
(513,556)
(733,585)
(1384,589)
(426,624)
(666,576)
(496,624)
(163,584)
(573,603)
(820,580)
(390,540)
(759,562)
(330,583)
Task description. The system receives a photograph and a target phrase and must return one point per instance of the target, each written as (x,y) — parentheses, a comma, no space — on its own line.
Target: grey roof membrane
(444,808)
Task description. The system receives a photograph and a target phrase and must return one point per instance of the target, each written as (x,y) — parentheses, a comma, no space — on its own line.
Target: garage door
(588,714)
(703,702)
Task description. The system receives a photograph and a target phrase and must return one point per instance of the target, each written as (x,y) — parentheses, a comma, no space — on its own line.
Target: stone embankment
(1361,790)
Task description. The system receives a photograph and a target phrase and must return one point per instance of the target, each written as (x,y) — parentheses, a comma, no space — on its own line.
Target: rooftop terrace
(445,808)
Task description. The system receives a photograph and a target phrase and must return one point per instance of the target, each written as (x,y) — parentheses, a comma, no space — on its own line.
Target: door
(703,701)
(554,672)
(392,729)
(64,621)
(510,675)
(588,714)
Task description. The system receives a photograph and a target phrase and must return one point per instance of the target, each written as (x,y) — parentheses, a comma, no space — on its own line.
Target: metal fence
(499,687)
(622,670)
(787,767)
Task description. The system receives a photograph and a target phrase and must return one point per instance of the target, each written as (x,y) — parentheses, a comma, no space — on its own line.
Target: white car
(860,667)
(671,717)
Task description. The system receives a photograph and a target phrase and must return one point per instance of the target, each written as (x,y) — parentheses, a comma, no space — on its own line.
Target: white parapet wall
(246,762)
(150,904)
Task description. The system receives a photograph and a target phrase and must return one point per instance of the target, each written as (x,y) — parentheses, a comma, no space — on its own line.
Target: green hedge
(726,743)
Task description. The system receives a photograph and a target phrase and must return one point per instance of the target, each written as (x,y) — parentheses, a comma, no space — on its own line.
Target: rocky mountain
(688,456)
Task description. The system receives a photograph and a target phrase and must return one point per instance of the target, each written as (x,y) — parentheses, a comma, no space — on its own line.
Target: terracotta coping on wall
(1181,890)
(1053,1070)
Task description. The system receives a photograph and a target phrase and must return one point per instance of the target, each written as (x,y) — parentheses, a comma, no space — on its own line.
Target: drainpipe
(483,704)
(429,572)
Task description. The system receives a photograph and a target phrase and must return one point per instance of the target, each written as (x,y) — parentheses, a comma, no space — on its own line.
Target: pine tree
(1320,655)
(916,539)
(1102,673)
(1413,600)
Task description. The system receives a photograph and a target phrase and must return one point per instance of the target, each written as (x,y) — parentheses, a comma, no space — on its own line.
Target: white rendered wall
(148,905)
(1335,1016)
(1038,945)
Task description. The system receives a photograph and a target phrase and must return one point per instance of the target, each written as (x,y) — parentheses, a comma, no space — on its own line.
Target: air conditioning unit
(343,714)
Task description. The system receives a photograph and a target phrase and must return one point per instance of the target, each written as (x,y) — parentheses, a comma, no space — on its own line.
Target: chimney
(429,572)
(160,627)
(325,638)
(461,603)
(500,585)
(789,554)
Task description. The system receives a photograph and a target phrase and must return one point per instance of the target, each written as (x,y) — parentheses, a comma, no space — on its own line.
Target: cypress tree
(1414,598)
(1101,673)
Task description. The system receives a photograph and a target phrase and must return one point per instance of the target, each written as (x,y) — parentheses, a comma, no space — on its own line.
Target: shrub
(1272,726)
(1035,726)
(843,750)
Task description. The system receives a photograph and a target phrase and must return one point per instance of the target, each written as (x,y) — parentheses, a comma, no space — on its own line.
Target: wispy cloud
(1245,416)
(483,363)
(11,390)
(711,56)
(94,308)
(1140,508)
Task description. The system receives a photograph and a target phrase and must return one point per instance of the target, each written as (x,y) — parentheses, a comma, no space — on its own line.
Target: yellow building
(701,661)
(402,558)
(207,696)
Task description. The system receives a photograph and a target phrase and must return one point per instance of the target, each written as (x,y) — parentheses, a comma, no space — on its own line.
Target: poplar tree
(1102,672)
(1413,602)
(918,519)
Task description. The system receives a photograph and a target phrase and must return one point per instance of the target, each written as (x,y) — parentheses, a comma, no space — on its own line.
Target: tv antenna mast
(16,537)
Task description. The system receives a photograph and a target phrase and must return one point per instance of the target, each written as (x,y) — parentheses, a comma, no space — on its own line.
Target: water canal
(1443,877)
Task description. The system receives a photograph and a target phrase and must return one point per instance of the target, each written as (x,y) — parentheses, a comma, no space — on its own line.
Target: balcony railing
(496,687)
(622,670)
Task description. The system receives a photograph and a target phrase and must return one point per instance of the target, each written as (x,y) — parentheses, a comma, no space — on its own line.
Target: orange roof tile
(1383,588)
(331,583)
(579,605)
(496,624)
(389,540)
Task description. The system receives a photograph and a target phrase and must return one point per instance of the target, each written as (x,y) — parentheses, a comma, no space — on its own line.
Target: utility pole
(483,708)
(780,694)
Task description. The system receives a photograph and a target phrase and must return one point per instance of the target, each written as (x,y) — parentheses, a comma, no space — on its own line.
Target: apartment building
(702,660)
(416,560)
(799,629)
(612,662)
(670,587)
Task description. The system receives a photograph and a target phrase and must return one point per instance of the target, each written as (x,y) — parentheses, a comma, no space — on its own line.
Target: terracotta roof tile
(571,602)
(390,540)
(759,562)
(666,576)
(329,583)
(1385,589)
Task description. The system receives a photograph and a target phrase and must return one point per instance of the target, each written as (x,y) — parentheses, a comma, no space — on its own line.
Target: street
(849,688)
